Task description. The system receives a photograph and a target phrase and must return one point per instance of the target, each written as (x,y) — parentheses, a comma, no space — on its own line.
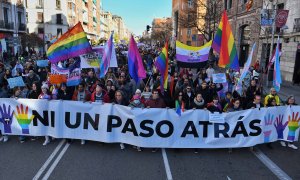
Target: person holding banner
(290,102)
(256,103)
(273,94)
(45,94)
(198,102)
(63,93)
(214,106)
(100,95)
(235,105)
(81,95)
(120,101)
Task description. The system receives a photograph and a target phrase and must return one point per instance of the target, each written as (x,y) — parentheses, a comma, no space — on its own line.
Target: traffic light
(148,28)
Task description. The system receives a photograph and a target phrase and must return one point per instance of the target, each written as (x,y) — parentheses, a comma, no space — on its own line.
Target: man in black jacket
(256,103)
(188,97)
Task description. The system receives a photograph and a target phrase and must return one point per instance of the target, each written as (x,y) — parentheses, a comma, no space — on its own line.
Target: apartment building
(12,24)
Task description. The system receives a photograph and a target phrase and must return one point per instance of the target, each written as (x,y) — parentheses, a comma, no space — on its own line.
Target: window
(58,5)
(26,5)
(280,6)
(19,17)
(229,4)
(297,25)
(40,17)
(59,19)
(5,13)
(189,32)
(189,43)
(59,32)
(190,3)
(26,17)
(40,30)
(40,4)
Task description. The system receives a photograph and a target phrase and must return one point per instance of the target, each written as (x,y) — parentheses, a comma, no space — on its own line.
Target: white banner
(148,127)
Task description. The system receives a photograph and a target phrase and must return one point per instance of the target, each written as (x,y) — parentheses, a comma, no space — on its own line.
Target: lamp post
(274,10)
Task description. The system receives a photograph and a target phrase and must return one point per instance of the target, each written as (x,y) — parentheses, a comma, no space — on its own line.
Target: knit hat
(138,91)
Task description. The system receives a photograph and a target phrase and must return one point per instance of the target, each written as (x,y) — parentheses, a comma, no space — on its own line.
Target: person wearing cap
(100,95)
(138,93)
(273,94)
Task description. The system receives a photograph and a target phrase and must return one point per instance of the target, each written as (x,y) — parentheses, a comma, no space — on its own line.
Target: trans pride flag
(162,65)
(71,44)
(135,63)
(109,56)
(224,44)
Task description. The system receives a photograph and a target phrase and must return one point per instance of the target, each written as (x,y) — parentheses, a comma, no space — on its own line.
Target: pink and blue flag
(277,74)
(135,63)
(109,56)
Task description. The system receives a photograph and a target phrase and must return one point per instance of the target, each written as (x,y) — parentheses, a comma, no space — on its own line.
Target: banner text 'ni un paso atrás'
(148,127)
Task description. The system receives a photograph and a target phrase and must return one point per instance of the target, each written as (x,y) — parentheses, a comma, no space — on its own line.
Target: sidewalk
(286,89)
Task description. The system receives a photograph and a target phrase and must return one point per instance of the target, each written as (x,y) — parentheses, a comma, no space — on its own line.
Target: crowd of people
(190,88)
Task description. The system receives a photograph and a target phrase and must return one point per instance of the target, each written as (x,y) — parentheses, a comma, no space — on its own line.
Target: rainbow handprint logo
(293,125)
(6,118)
(23,119)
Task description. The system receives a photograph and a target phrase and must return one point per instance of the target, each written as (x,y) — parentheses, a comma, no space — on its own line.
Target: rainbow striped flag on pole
(162,65)
(71,44)
(224,44)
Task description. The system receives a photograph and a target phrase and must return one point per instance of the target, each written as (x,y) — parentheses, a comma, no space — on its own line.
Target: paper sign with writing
(216,117)
(219,78)
(42,63)
(15,82)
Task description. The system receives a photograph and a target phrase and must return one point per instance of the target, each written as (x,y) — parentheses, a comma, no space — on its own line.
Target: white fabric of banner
(162,128)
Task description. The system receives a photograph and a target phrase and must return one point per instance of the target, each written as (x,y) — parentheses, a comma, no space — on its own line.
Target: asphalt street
(60,160)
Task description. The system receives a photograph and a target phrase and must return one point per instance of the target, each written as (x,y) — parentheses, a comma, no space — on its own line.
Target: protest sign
(219,78)
(57,78)
(216,117)
(73,78)
(157,127)
(16,82)
(42,63)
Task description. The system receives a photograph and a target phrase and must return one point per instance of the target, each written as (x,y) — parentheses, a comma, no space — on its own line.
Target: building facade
(190,36)
(88,12)
(245,26)
(45,19)
(289,41)
(12,24)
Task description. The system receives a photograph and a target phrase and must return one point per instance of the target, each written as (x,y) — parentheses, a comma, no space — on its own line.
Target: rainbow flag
(162,65)
(135,63)
(179,109)
(71,44)
(224,44)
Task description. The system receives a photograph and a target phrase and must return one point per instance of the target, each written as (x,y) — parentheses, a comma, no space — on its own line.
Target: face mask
(136,101)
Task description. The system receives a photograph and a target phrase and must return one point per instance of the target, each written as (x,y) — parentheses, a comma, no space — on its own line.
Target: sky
(137,14)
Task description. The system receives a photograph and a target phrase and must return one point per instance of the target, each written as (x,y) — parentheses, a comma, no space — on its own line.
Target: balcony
(22,27)
(242,8)
(6,25)
(59,21)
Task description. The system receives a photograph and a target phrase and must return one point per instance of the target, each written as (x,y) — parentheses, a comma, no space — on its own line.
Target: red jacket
(87,95)
(104,94)
(155,103)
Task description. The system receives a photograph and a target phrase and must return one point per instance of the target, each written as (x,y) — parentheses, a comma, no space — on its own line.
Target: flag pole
(273,33)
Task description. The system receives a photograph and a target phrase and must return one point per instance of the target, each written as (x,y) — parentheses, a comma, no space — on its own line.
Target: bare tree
(162,31)
(204,15)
